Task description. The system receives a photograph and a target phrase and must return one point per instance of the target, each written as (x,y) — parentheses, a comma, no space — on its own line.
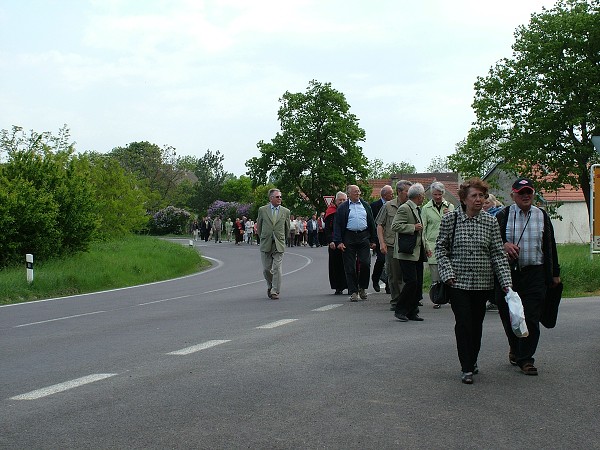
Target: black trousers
(530,284)
(412,275)
(358,248)
(378,266)
(469,311)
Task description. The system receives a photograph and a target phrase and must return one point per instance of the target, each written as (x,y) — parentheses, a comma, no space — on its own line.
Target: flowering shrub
(170,220)
(228,209)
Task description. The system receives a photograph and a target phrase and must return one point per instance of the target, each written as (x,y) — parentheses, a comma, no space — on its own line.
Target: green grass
(108,265)
(579,272)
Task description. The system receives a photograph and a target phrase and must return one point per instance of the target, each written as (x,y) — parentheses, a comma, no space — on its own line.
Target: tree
(155,168)
(378,170)
(211,176)
(316,153)
(118,201)
(438,164)
(536,112)
(238,190)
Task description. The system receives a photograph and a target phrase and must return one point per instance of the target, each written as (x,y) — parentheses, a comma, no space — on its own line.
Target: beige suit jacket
(404,222)
(273,231)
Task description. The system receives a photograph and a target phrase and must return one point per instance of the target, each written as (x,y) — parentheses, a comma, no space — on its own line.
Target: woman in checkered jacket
(469,252)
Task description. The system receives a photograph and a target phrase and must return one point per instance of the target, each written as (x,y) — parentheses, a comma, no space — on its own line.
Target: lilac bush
(228,209)
(170,220)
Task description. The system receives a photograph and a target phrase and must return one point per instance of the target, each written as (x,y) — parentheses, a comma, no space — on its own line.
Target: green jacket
(431,224)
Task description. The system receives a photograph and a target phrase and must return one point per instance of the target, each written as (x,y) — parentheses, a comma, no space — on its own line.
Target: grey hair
(339,193)
(437,186)
(272,191)
(402,184)
(415,190)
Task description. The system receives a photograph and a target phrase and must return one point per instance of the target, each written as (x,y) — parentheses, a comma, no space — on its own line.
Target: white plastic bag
(517,314)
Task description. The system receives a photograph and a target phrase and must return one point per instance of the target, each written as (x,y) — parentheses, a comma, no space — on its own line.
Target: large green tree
(317,151)
(155,168)
(536,111)
(211,177)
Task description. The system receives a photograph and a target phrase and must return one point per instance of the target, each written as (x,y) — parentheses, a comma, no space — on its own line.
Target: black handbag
(439,293)
(550,306)
(406,242)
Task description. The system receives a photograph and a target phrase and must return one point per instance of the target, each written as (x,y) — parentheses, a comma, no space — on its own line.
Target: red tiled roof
(449,180)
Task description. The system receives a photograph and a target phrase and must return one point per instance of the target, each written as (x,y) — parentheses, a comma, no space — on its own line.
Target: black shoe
(475,369)
(416,318)
(387,289)
(338,292)
(376,287)
(420,303)
(401,317)
(467,377)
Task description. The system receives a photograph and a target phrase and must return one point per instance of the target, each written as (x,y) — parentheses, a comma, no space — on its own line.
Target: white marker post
(29,264)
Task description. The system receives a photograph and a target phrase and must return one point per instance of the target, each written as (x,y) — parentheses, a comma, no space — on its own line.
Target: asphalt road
(207,361)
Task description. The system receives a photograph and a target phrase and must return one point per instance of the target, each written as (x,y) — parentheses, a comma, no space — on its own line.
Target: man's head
(416,193)
(340,198)
(437,192)
(402,190)
(523,193)
(387,193)
(275,197)
(353,192)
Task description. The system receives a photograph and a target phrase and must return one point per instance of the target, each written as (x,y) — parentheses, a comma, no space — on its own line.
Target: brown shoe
(529,369)
(275,296)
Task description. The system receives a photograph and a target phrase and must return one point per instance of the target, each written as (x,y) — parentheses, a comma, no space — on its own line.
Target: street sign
(596,142)
(595,208)
(328,199)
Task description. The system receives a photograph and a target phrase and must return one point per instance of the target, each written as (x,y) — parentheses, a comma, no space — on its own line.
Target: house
(572,225)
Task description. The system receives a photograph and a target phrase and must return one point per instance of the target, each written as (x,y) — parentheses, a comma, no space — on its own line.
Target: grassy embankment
(139,260)
(107,265)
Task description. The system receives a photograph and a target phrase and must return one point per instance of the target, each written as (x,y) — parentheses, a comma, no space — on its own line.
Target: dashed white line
(197,348)
(61,387)
(328,307)
(277,323)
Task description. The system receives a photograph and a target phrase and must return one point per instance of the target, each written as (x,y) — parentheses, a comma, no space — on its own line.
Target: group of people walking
(479,253)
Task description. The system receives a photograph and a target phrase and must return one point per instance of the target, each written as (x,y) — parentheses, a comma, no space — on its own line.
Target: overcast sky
(200,75)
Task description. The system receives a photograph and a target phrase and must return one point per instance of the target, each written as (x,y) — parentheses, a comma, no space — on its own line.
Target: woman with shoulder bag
(467,264)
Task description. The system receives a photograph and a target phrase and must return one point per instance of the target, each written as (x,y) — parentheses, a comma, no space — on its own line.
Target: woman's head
(472,194)
(490,202)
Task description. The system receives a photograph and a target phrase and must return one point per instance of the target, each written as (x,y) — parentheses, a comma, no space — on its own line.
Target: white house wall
(574,227)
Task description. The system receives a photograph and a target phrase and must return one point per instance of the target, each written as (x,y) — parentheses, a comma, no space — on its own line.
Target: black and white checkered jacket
(475,255)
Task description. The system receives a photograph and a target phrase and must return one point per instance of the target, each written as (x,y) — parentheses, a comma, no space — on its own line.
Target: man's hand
(383,248)
(373,245)
(341,246)
(418,226)
(512,250)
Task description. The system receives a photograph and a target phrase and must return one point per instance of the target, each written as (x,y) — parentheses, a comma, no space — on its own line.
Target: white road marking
(59,318)
(61,387)
(197,348)
(328,307)
(277,323)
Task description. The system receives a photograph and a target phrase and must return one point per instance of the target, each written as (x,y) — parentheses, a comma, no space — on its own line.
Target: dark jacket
(551,266)
(341,221)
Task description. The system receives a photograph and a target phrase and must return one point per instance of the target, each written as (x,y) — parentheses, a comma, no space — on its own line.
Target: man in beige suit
(273,227)
(408,222)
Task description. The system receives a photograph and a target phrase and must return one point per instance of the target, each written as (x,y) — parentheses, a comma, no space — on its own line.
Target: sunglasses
(277,196)
(525,192)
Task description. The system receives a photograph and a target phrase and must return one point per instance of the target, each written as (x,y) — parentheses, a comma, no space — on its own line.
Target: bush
(228,209)
(170,220)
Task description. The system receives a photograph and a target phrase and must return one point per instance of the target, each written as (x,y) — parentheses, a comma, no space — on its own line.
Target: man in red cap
(529,243)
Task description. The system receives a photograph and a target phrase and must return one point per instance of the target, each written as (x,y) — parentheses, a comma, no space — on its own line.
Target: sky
(202,75)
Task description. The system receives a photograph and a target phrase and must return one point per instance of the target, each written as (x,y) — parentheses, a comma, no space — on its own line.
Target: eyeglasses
(524,192)
(277,196)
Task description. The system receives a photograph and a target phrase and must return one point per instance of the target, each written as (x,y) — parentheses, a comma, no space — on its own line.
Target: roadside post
(29,265)
(595,202)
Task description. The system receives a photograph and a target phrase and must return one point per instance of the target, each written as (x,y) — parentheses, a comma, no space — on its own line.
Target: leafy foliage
(211,177)
(316,153)
(229,210)
(536,112)
(47,196)
(170,220)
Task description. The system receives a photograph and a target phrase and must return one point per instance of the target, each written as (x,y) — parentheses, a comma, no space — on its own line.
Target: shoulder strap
(453,232)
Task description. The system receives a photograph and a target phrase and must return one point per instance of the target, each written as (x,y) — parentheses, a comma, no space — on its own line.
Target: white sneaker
(362,293)
(354,297)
